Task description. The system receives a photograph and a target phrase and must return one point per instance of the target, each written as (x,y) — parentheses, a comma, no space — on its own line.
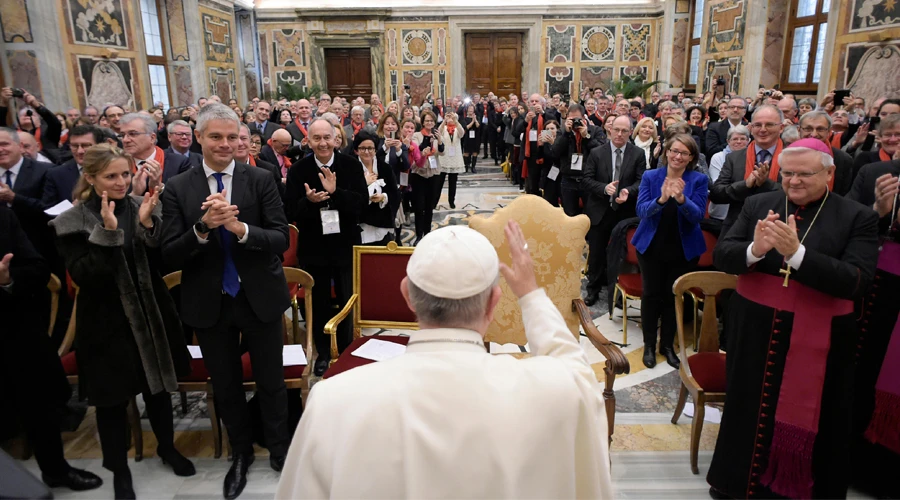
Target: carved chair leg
(696,429)
(682,399)
(609,399)
(134,420)
(183,403)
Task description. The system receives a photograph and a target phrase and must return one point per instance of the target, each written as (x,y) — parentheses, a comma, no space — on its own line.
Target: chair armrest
(331,326)
(618,363)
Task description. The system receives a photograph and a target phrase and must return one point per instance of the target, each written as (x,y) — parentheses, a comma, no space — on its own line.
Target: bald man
(275,152)
(788,106)
(30,148)
(299,128)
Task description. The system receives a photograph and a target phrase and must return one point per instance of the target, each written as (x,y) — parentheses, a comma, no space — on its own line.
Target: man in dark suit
(717,133)
(61,180)
(276,152)
(612,176)
(22,184)
(224,228)
(265,127)
(154,165)
(325,195)
(242,155)
(817,124)
(181,138)
(299,128)
(40,389)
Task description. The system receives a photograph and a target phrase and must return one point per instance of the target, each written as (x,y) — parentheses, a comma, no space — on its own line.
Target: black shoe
(649,356)
(179,464)
(277,462)
(484,157)
(236,478)
(452,205)
(671,358)
(122,485)
(591,299)
(718,495)
(320,367)
(75,480)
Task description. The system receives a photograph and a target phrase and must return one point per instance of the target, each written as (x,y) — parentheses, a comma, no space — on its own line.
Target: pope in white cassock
(448,420)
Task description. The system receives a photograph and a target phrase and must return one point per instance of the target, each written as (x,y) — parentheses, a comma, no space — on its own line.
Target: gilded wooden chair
(556,243)
(702,374)
(54,285)
(376,301)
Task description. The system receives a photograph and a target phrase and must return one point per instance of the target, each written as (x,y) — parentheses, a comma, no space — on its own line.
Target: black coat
(731,189)
(128,336)
(566,145)
(176,163)
(373,214)
(863,190)
(194,159)
(717,137)
(28,207)
(843,172)
(598,173)
(275,170)
(60,183)
(266,132)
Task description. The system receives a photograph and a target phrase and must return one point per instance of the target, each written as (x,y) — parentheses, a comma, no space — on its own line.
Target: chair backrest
(706,285)
(706,260)
(631,251)
(556,243)
(377,273)
(54,285)
(290,255)
(306,283)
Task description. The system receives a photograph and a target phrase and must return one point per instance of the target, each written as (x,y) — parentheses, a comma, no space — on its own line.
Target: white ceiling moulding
(430,8)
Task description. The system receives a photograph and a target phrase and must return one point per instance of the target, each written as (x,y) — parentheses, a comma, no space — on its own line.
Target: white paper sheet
(293,355)
(195,352)
(58,208)
(712,415)
(379,350)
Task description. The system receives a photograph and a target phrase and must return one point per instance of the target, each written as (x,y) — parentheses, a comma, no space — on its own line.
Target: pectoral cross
(786,273)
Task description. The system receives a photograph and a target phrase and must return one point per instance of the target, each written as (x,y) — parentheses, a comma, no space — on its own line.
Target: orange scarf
(883,155)
(540,127)
(836,140)
(37,137)
(750,164)
(451,129)
(356,128)
(301,127)
(577,142)
(159,157)
(251,160)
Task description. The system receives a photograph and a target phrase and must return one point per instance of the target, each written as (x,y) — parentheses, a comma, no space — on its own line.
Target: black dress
(470,144)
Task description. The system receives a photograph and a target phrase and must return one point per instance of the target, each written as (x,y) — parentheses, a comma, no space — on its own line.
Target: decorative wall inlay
(420,83)
(635,42)
(442,84)
(395,85)
(726,26)
(726,67)
(872,71)
(344,26)
(289,47)
(682,6)
(217,38)
(250,80)
(632,71)
(222,82)
(98,22)
(283,78)
(416,46)
(264,60)
(106,81)
(442,46)
(184,88)
(559,79)
(247,47)
(598,43)
(596,77)
(874,14)
(774,48)
(679,52)
(23,67)
(392,46)
(177,32)
(14,21)
(560,43)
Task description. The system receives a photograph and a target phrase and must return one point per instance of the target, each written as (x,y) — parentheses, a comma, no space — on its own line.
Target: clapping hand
(328,179)
(676,189)
(7,195)
(145,213)
(107,213)
(611,188)
(886,188)
(519,277)
(758,176)
(218,211)
(377,198)
(623,196)
(315,196)
(783,237)
(5,277)
(762,245)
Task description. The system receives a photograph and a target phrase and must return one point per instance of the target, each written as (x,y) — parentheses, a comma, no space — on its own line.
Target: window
(693,69)
(156,54)
(807,27)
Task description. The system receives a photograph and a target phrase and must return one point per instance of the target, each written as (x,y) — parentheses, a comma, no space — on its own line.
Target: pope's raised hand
(519,277)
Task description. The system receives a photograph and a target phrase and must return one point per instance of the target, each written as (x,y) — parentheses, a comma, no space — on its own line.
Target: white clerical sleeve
(306,469)
(548,334)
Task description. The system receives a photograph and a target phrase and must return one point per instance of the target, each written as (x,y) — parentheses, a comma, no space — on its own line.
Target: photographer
(578,138)
(47,136)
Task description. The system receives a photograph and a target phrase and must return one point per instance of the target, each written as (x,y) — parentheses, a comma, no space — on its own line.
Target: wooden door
(349,72)
(494,63)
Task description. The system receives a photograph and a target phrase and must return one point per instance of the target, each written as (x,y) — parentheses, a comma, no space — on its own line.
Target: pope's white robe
(448,420)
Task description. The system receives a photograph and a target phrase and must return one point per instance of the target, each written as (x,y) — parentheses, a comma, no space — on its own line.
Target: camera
(720,81)
(406,87)
(18,93)
(577,123)
(767,93)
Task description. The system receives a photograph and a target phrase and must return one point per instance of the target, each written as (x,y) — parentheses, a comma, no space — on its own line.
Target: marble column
(754,41)
(194,27)
(666,42)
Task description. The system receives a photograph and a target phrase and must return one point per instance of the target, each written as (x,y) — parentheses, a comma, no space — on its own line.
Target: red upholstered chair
(376,301)
(703,373)
(706,262)
(629,285)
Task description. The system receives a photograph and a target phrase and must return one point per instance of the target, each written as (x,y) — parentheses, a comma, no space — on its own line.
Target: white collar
(366,170)
(445,339)
(152,155)
(328,164)
(229,170)
(15,168)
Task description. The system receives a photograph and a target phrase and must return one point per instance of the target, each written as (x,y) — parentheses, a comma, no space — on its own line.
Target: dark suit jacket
(258,261)
(598,173)
(863,190)
(176,163)
(843,172)
(276,174)
(270,129)
(717,137)
(349,198)
(61,182)
(194,159)
(28,207)
(730,187)
(267,154)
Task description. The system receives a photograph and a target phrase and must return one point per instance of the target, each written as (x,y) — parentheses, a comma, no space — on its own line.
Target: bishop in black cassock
(786,429)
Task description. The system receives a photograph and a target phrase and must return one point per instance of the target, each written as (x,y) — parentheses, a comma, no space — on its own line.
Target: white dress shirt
(214,188)
(14,172)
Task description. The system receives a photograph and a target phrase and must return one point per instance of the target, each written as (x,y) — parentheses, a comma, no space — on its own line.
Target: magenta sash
(789,471)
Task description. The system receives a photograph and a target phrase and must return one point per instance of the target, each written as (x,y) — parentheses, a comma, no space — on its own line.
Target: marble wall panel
(633,71)
(635,42)
(728,68)
(217,38)
(773,51)
(391,36)
(874,14)
(23,67)
(222,82)
(560,43)
(252,84)
(184,88)
(598,43)
(264,60)
(297,79)
(420,84)
(596,77)
(442,84)
(682,6)
(247,47)
(107,81)
(726,26)
(559,79)
(872,70)
(289,47)
(416,46)
(679,52)
(98,22)
(14,21)
(177,31)
(345,26)
(442,46)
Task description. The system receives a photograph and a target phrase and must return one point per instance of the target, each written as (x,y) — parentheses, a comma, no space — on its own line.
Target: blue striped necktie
(230,282)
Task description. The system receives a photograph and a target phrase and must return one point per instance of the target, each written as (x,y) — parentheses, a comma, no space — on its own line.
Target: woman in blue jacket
(671,203)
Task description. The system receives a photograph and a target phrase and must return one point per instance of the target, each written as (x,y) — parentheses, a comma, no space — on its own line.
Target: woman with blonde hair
(452,162)
(128,333)
(646,137)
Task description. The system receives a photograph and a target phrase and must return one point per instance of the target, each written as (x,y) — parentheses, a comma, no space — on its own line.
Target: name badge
(451,151)
(532,136)
(576,161)
(331,221)
(404,179)
(432,162)
(471,134)
(553,173)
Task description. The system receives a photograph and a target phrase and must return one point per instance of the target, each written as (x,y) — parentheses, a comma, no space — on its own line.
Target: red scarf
(835,139)
(750,164)
(301,127)
(286,162)
(599,117)
(251,160)
(883,155)
(356,128)
(528,145)
(451,129)
(577,142)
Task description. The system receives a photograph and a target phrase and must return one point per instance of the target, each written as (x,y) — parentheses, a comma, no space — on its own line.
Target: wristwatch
(201,227)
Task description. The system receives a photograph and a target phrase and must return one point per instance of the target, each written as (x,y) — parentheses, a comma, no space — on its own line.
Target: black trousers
(342,277)
(551,187)
(451,189)
(598,240)
(221,346)
(659,270)
(488,135)
(423,202)
(533,181)
(112,425)
(40,418)
(571,193)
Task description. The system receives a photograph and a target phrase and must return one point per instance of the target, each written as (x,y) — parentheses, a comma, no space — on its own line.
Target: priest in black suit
(320,187)
(224,228)
(154,165)
(612,176)
(803,256)
(61,180)
(22,184)
(181,138)
(717,133)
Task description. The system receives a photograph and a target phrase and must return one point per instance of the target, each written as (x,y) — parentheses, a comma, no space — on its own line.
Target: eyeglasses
(621,131)
(683,154)
(131,134)
(181,134)
(819,130)
(366,150)
(736,107)
(767,126)
(889,135)
(787,174)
